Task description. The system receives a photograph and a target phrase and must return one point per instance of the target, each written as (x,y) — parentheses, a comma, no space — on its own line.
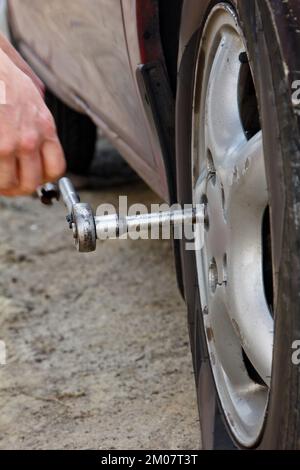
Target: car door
(83,43)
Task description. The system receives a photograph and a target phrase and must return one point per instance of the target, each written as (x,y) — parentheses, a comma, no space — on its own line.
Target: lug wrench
(87,228)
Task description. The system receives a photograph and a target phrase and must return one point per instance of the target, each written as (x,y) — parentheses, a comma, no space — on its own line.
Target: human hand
(30,152)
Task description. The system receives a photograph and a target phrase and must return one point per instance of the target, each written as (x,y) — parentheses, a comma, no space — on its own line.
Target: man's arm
(30,152)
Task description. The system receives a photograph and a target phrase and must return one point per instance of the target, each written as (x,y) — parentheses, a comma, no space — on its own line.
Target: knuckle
(47,123)
(7,148)
(29,142)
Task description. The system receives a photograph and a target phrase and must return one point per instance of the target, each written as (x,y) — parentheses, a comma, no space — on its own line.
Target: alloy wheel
(234,264)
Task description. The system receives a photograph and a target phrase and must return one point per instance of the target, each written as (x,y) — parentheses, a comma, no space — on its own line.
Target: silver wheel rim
(229,176)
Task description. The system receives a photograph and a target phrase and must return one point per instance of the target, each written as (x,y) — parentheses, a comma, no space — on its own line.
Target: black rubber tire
(270,28)
(77,133)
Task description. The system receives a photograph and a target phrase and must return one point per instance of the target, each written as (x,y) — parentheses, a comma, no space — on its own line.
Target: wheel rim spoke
(245,295)
(224,130)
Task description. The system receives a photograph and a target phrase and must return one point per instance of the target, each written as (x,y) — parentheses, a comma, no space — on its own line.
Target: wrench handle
(68,193)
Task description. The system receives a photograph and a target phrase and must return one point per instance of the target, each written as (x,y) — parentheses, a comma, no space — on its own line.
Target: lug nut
(213,275)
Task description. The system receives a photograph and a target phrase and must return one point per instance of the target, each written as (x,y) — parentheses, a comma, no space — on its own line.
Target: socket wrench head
(84,228)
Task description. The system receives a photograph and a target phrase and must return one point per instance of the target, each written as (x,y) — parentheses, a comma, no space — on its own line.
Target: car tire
(77,133)
(272,43)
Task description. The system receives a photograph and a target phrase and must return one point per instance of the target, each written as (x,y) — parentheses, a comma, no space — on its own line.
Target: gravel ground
(97,345)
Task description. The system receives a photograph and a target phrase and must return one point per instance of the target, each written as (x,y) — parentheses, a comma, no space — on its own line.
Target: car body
(88,53)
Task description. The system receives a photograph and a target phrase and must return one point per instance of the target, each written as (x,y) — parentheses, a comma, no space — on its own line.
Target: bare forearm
(16,58)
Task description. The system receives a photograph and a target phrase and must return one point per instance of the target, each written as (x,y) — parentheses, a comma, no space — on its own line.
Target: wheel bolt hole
(204,201)
(213,275)
(225,268)
(223,198)
(211,167)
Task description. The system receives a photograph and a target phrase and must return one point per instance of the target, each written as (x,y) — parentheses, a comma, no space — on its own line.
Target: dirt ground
(97,344)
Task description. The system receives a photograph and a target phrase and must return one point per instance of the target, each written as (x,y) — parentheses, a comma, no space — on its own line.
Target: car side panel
(83,44)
